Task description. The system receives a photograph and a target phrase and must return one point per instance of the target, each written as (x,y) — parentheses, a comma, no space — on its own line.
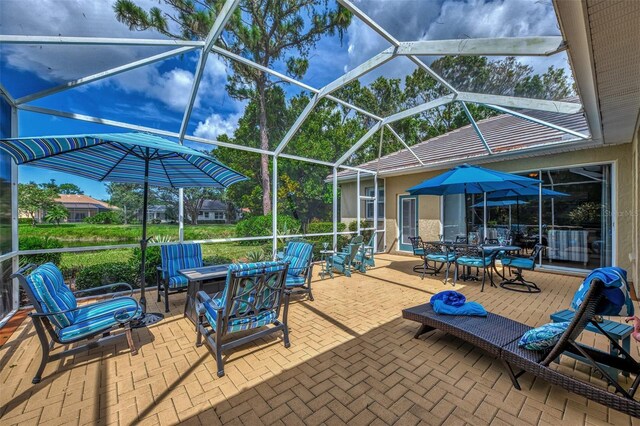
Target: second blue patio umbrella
(519,193)
(468,179)
(127,158)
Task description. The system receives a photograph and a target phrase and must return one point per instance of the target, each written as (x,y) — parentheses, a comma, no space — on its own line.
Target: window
(206,215)
(218,215)
(368,204)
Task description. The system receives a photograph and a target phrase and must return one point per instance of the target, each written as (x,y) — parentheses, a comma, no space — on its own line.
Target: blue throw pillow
(543,337)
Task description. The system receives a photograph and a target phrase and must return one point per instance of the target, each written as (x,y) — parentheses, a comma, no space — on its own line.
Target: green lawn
(83,233)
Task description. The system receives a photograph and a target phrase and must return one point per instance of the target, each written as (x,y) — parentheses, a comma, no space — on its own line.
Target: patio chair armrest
(130,315)
(103,287)
(203,298)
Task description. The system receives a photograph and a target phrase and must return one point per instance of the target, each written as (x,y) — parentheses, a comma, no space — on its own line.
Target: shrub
(153,260)
(103,274)
(353,227)
(105,218)
(324,227)
(260,226)
(255,256)
(39,243)
(25,221)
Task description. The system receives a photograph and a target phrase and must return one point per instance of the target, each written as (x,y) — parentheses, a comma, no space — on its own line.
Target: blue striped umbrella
(122,157)
(126,158)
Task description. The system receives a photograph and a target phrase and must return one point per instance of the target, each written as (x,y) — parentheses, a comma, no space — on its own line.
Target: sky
(156,95)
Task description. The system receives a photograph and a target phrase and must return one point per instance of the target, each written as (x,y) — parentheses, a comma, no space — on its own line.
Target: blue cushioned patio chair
(518,283)
(345,260)
(58,316)
(418,250)
(174,258)
(437,256)
(475,257)
(299,255)
(251,300)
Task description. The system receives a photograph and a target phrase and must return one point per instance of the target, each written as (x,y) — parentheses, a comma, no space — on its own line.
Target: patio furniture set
(222,300)
(440,254)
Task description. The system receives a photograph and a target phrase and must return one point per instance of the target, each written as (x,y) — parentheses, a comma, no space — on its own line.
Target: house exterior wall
(635,213)
(626,188)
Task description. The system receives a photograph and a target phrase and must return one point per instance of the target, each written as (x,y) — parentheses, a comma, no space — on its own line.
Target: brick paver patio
(352,360)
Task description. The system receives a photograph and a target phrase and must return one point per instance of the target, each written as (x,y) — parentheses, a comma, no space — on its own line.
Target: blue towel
(617,300)
(469,308)
(449,297)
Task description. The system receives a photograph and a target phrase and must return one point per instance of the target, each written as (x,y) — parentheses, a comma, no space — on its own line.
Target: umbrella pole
(143,241)
(484,216)
(147,318)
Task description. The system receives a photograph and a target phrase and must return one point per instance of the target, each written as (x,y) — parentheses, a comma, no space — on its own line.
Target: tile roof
(503,133)
(82,201)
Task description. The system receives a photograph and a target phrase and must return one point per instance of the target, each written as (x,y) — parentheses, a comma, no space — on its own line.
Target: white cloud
(410,20)
(215,125)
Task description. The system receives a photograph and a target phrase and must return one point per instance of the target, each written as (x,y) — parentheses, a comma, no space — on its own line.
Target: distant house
(79,206)
(213,211)
(156,214)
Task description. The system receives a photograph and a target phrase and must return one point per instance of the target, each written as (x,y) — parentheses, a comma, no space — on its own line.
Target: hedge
(261,226)
(39,243)
(153,260)
(105,273)
(324,227)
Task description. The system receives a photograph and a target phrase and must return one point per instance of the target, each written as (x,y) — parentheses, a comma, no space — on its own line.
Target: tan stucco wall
(635,187)
(626,179)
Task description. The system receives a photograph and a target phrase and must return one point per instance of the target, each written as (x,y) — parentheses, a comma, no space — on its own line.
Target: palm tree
(56,213)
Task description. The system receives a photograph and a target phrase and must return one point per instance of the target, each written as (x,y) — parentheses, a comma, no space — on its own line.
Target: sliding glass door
(576,228)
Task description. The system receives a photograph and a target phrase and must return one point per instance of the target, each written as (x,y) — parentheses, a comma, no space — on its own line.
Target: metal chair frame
(518,283)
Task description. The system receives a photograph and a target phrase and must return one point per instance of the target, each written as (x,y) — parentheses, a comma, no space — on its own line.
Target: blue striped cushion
(239,324)
(47,284)
(518,262)
(295,280)
(99,316)
(474,261)
(191,256)
(170,255)
(298,254)
(179,281)
(418,251)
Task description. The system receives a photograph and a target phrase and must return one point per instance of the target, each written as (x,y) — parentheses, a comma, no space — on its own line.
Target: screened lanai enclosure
(209,89)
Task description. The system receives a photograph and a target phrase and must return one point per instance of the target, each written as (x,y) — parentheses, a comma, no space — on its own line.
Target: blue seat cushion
(179,281)
(295,280)
(441,257)
(48,287)
(418,251)
(96,317)
(238,324)
(474,261)
(518,262)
